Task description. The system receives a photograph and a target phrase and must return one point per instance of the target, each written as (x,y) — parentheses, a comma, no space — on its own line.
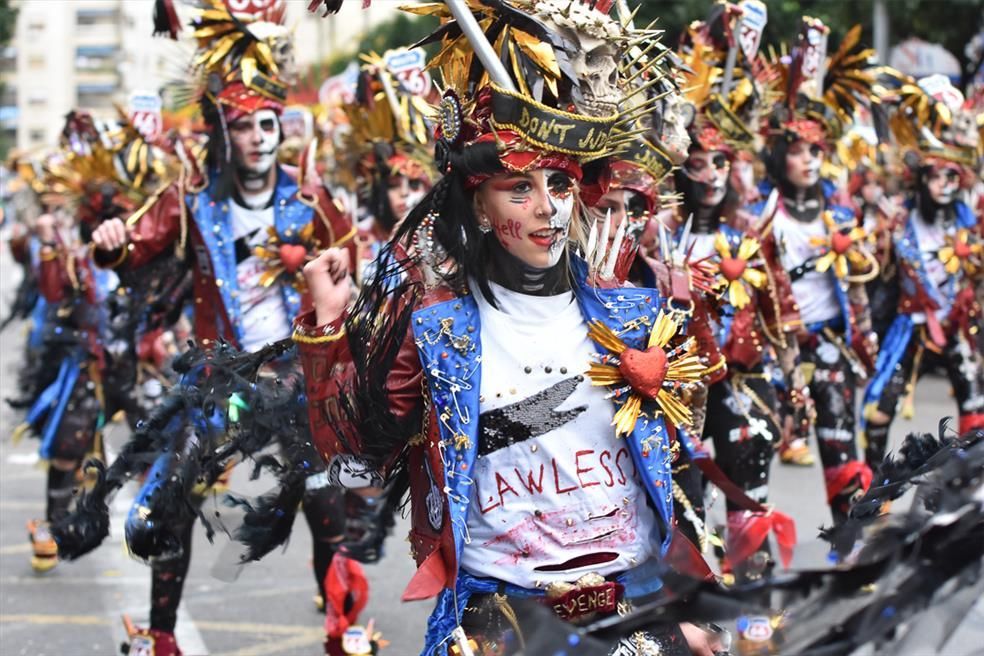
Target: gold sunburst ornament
(285,260)
(961,252)
(654,374)
(736,273)
(844,250)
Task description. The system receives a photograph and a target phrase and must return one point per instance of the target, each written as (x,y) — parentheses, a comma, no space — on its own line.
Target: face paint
(530,213)
(710,169)
(943,183)
(803,162)
(405,194)
(255,139)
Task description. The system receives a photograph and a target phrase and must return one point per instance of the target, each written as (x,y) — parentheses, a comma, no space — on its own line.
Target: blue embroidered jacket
(446,341)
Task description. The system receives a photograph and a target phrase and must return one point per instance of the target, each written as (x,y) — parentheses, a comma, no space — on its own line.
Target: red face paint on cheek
(508,231)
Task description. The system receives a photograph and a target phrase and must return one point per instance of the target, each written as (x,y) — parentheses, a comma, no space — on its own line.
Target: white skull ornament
(594,51)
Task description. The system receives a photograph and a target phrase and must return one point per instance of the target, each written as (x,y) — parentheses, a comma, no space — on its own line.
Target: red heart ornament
(292,256)
(733,267)
(840,242)
(644,370)
(961,249)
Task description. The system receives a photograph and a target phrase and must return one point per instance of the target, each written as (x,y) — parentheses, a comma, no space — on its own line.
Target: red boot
(148,642)
(44,551)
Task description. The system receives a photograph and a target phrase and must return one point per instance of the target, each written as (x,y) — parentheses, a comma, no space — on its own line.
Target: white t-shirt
(931,238)
(263,314)
(703,245)
(814,291)
(551,483)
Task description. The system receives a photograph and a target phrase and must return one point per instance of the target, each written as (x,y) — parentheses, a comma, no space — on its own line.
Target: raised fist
(328,281)
(110,235)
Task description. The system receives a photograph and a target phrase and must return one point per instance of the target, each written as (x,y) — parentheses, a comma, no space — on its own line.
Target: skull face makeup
(710,170)
(530,213)
(405,193)
(618,205)
(803,162)
(942,183)
(255,138)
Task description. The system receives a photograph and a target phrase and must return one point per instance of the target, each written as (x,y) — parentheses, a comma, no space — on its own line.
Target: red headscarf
(238,100)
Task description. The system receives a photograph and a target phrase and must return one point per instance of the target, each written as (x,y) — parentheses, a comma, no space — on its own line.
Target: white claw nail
(609,270)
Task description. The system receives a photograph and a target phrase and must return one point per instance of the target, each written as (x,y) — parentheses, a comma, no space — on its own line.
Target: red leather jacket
(329,373)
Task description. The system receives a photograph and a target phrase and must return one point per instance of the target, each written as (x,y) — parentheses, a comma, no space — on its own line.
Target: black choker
(515,275)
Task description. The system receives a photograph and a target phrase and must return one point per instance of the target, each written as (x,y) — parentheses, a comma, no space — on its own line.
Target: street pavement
(268,609)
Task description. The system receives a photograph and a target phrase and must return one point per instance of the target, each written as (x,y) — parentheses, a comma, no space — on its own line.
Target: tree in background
(8,23)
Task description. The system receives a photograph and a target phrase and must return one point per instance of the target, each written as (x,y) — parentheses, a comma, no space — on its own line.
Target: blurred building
(92,53)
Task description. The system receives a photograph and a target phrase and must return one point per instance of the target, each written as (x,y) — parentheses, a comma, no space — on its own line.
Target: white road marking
(131,592)
(31,458)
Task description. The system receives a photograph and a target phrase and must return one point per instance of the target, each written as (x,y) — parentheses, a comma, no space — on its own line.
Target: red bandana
(236,101)
(518,156)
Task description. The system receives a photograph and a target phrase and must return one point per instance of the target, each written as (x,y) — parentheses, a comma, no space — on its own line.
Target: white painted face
(943,183)
(405,193)
(530,213)
(255,138)
(803,162)
(710,168)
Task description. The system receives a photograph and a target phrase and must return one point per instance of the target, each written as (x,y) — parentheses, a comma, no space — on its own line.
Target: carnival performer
(938,249)
(622,195)
(386,154)
(488,378)
(246,225)
(89,327)
(820,246)
(743,298)
(22,211)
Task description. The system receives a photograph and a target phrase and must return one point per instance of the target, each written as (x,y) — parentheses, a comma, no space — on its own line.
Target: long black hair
(928,207)
(379,321)
(379,204)
(774,157)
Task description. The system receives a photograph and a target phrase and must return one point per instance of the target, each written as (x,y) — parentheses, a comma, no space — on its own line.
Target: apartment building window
(8,117)
(35,62)
(8,59)
(37,136)
(87,17)
(95,96)
(96,58)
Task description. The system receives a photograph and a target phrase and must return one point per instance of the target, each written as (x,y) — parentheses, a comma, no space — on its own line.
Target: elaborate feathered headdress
(389,120)
(820,94)
(559,89)
(931,119)
(103,168)
(724,78)
(244,57)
